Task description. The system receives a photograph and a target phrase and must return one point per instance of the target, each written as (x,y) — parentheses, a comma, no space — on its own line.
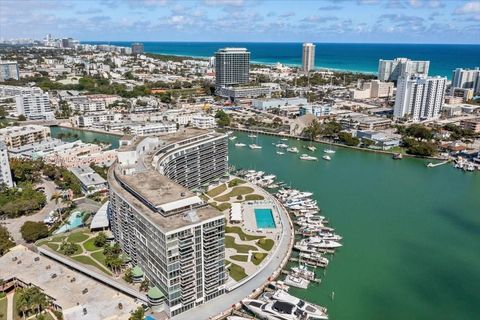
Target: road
(14,225)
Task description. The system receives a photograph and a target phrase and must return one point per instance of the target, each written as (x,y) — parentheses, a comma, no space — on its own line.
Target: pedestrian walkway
(10,306)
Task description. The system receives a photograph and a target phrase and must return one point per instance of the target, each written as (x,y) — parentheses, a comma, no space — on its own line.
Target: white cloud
(471,7)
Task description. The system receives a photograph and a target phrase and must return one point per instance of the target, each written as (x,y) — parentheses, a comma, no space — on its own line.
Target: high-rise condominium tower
(169,232)
(466,79)
(392,70)
(232,66)
(419,98)
(308,57)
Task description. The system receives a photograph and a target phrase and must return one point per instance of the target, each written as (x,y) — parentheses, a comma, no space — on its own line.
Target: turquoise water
(74,221)
(411,247)
(362,57)
(86,136)
(264,218)
(411,234)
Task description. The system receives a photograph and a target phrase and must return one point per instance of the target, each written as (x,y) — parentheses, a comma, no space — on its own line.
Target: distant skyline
(359,21)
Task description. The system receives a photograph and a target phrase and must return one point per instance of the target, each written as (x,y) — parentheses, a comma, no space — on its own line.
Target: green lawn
(216,191)
(89,261)
(52,246)
(77,237)
(237,191)
(240,248)
(89,245)
(239,257)
(236,272)
(252,197)
(3,308)
(257,257)
(224,206)
(235,182)
(242,234)
(265,244)
(99,256)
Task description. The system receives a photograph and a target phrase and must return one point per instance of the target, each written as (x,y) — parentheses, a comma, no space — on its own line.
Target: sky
(367,21)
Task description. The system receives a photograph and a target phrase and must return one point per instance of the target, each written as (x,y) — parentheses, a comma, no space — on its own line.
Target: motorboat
(311,148)
(329,151)
(307,157)
(232,138)
(255,146)
(314,259)
(318,242)
(281,145)
(228,133)
(252,135)
(239,144)
(397,156)
(313,311)
(284,139)
(303,272)
(304,248)
(297,282)
(293,150)
(274,310)
(280,152)
(326,158)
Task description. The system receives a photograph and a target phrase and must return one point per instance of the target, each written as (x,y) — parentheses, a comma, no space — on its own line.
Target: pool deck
(252,286)
(250,219)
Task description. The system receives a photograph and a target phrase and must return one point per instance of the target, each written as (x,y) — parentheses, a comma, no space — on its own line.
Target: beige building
(471,124)
(380,89)
(18,136)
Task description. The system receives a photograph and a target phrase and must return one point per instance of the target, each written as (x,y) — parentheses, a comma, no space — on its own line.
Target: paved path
(14,225)
(220,304)
(10,306)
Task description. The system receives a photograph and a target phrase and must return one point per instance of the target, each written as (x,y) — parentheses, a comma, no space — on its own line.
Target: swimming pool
(74,221)
(264,218)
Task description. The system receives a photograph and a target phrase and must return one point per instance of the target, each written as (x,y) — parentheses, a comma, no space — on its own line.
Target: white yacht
(293,150)
(280,152)
(314,259)
(307,157)
(284,139)
(281,145)
(303,272)
(228,133)
(326,158)
(274,310)
(318,242)
(298,282)
(311,148)
(329,151)
(255,146)
(232,138)
(252,135)
(313,311)
(239,144)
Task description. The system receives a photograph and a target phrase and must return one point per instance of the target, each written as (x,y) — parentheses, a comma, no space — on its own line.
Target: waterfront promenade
(221,306)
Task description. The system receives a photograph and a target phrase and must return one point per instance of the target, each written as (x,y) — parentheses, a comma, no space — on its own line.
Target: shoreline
(266,64)
(90,130)
(386,152)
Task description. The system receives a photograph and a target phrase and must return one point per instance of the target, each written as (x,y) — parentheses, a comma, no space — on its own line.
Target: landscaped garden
(222,196)
(84,247)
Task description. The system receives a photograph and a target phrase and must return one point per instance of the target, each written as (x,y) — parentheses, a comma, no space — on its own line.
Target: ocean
(357,57)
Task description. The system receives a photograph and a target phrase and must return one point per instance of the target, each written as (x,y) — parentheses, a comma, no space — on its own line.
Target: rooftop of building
(16,130)
(158,190)
(87,176)
(71,290)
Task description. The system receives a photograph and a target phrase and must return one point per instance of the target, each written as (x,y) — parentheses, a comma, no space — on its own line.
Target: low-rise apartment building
(18,136)
(90,181)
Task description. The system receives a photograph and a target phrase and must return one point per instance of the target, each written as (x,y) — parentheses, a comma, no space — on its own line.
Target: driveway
(14,225)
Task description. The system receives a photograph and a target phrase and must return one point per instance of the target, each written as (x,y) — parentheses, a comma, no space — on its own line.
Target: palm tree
(23,303)
(57,197)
